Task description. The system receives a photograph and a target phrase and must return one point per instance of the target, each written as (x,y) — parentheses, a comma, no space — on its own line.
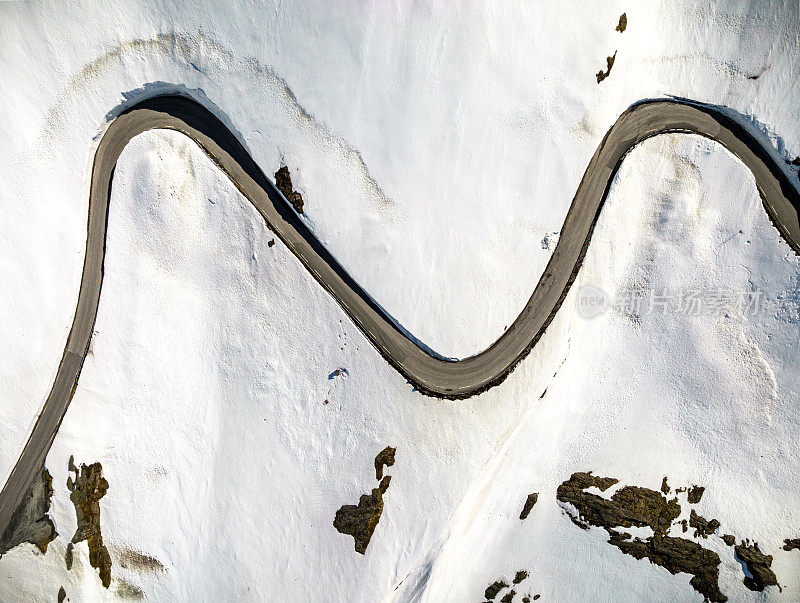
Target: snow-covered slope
(436,148)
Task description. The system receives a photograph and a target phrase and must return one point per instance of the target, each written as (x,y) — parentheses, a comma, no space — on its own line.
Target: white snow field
(437,149)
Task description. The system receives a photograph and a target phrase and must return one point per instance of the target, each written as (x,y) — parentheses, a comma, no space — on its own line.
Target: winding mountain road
(430,374)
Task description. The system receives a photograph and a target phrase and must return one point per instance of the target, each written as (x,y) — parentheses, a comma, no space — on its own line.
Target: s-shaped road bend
(430,374)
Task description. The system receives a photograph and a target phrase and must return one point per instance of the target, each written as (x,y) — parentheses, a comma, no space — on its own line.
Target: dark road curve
(430,374)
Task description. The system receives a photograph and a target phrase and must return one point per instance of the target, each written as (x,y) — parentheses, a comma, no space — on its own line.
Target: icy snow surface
(436,148)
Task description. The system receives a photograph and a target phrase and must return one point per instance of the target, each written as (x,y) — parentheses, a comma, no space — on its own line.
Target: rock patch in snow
(31,522)
(88,487)
(284,183)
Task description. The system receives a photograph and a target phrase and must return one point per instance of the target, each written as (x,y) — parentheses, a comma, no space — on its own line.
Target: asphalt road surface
(430,374)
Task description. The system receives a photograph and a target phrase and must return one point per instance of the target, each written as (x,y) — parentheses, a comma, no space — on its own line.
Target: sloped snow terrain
(437,150)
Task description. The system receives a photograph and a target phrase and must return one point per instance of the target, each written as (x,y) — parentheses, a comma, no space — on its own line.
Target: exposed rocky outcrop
(385,458)
(87,489)
(494,588)
(641,507)
(702,527)
(791,544)
(283,181)
(694,494)
(361,520)
(629,506)
(758,564)
(31,522)
(508,597)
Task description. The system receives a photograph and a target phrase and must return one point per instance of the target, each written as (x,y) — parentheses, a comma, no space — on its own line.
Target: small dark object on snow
(791,544)
(601,75)
(385,457)
(529,502)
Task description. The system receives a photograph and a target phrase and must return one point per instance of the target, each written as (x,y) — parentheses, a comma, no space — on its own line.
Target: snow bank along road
(430,374)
